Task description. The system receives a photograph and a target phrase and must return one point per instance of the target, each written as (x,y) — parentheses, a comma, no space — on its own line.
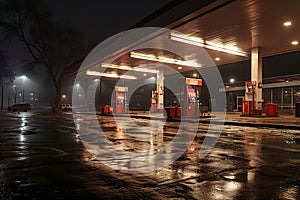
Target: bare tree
(6,75)
(50,44)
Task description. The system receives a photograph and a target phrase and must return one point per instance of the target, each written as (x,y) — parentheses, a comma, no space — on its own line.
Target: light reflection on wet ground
(42,157)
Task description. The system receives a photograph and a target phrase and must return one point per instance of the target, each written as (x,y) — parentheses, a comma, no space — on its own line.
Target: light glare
(162,59)
(207,44)
(95,73)
(287,23)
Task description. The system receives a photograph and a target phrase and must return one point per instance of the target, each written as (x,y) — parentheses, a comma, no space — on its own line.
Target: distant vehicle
(63,108)
(20,107)
(66,107)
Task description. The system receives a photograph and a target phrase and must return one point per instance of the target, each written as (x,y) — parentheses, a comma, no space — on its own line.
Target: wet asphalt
(42,157)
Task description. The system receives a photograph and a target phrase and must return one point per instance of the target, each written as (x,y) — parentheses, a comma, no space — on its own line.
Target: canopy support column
(160,90)
(256,76)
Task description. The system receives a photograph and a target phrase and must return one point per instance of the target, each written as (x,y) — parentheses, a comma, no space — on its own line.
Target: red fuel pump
(191,93)
(121,99)
(249,103)
(191,102)
(154,101)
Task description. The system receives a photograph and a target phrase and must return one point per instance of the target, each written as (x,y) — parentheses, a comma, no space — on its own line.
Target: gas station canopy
(228,30)
(244,24)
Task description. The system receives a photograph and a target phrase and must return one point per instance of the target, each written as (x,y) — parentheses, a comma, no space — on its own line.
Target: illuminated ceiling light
(162,59)
(128,68)
(145,74)
(232,80)
(179,67)
(109,75)
(217,59)
(207,44)
(225,49)
(187,39)
(296,42)
(194,75)
(138,69)
(122,67)
(127,77)
(287,23)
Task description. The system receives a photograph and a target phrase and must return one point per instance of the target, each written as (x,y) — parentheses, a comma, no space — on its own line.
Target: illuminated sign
(193,81)
(121,89)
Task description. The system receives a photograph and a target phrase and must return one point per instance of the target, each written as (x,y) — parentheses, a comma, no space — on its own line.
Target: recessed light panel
(287,23)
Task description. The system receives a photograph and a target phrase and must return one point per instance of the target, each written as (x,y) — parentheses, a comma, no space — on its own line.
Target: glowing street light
(232,80)
(23,77)
(23,89)
(15,87)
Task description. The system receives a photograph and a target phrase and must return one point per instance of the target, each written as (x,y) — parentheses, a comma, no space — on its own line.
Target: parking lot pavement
(42,157)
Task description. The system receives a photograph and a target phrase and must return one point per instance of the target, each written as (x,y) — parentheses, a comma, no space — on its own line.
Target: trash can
(108,109)
(271,109)
(172,112)
(297,111)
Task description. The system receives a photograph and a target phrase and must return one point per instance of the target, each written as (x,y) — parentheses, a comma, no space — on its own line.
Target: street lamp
(23,89)
(77,86)
(14,86)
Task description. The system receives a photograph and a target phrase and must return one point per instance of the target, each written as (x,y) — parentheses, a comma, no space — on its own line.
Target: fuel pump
(154,101)
(248,103)
(191,103)
(190,91)
(121,99)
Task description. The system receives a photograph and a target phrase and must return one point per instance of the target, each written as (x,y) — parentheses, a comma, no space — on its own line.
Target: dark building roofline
(181,8)
(157,13)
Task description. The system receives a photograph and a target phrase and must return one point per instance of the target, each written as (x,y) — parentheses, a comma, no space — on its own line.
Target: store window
(287,98)
(267,95)
(276,96)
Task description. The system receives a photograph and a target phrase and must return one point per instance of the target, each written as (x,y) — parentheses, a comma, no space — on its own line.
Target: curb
(232,123)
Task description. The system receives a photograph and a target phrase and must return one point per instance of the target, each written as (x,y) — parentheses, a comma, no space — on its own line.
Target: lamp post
(14,86)
(77,86)
(23,89)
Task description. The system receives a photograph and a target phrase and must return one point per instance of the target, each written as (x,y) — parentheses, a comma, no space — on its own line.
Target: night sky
(102,19)
(98,20)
